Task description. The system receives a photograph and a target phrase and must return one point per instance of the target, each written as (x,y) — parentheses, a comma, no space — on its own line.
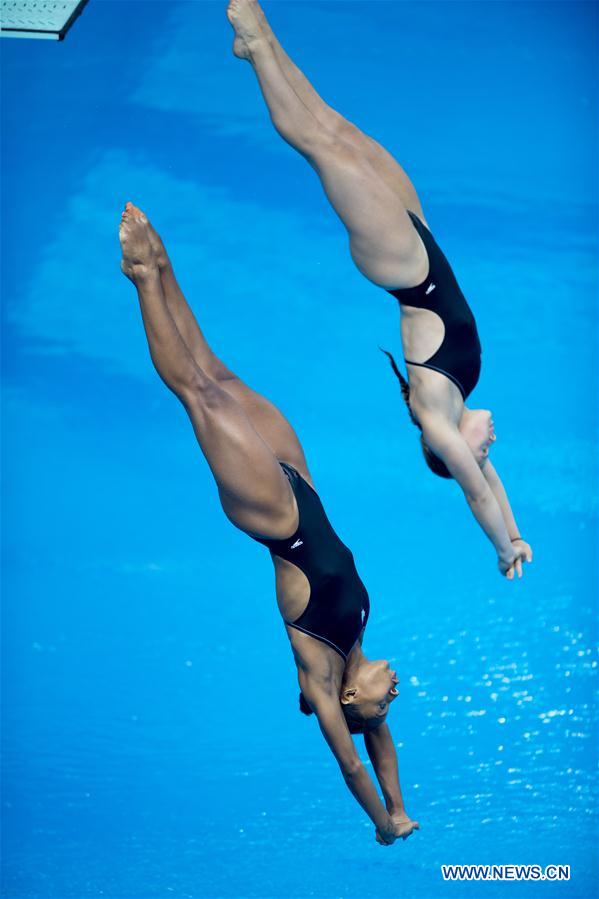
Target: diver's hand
(523,546)
(403,826)
(387,836)
(523,554)
(508,565)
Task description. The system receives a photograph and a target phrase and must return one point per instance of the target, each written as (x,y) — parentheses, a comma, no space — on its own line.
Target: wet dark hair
(353,719)
(436,465)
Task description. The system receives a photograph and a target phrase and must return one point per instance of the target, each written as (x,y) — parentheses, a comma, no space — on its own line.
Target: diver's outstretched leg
(380,159)
(268,421)
(178,307)
(254,492)
(383,243)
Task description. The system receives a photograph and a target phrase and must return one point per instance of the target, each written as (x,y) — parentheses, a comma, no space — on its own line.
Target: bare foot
(261,18)
(158,248)
(138,257)
(243,17)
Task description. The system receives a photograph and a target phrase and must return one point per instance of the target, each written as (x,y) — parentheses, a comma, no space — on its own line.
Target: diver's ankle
(257,46)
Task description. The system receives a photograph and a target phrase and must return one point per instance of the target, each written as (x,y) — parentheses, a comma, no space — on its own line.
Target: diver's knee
(347,132)
(199,393)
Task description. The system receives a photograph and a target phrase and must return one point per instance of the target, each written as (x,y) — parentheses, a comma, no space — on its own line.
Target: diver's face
(478,431)
(377,685)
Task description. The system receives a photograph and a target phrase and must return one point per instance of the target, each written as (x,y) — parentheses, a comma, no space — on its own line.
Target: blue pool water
(152,746)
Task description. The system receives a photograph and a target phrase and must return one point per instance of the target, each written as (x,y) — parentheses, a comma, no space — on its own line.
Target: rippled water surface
(152,745)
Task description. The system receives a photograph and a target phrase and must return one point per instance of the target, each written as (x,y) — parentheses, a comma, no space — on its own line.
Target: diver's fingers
(519,567)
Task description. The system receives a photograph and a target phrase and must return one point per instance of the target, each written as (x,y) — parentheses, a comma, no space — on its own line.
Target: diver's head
(366,694)
(367,691)
(477,429)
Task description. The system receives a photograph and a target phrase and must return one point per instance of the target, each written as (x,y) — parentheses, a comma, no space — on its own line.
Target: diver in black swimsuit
(391,244)
(266,491)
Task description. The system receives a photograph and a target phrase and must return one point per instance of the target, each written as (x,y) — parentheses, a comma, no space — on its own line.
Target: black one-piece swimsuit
(459,356)
(338,606)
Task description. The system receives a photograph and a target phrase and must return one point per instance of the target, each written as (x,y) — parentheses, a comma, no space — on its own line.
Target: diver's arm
(381,751)
(327,708)
(498,491)
(446,442)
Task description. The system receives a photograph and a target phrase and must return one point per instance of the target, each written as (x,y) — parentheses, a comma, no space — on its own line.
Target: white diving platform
(44,19)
